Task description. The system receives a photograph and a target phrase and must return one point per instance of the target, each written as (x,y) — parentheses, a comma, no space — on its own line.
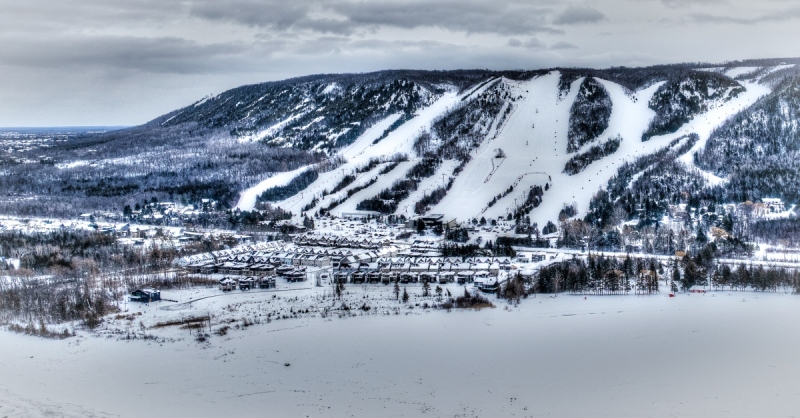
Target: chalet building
(774,205)
(432,221)
(145,295)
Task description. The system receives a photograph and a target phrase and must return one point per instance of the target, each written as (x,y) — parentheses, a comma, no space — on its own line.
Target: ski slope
(534,140)
(358,154)
(247,201)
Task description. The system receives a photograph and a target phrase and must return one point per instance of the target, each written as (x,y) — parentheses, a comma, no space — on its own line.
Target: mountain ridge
(440,129)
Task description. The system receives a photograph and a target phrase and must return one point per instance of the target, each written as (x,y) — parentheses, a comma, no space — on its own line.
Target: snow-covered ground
(717,354)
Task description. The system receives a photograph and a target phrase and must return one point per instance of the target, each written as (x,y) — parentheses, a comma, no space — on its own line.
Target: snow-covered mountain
(531,145)
(501,146)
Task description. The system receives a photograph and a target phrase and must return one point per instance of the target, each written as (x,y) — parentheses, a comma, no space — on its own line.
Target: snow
(534,139)
(535,142)
(173,117)
(247,201)
(73,164)
(330,88)
(690,356)
(203,100)
(735,72)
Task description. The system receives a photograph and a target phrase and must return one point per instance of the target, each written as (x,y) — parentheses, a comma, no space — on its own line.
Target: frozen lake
(690,356)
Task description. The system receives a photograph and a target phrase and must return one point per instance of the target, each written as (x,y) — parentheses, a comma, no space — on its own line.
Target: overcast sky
(124,62)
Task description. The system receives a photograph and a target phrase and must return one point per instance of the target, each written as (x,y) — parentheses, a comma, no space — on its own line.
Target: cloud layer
(100,62)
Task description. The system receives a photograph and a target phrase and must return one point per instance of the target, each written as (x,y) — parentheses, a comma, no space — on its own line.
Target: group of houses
(227,284)
(332,241)
(271,262)
(424,269)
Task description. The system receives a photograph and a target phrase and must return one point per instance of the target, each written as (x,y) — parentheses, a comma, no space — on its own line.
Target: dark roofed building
(145,295)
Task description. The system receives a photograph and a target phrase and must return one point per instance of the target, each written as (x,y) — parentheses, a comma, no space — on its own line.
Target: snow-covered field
(707,355)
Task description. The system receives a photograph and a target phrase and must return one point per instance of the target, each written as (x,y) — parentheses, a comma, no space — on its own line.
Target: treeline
(115,175)
(785,232)
(579,162)
(432,198)
(465,127)
(532,200)
(528,241)
(500,196)
(600,275)
(387,200)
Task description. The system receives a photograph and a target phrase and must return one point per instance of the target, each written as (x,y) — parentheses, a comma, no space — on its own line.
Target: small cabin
(340,277)
(407,277)
(447,277)
(428,277)
(465,277)
(246,283)
(374,276)
(226,284)
(145,295)
(388,277)
(358,277)
(266,282)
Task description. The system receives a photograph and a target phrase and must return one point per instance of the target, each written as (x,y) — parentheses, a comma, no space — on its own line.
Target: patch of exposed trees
(579,162)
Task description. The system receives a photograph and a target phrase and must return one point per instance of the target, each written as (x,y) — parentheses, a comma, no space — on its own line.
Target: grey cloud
(152,55)
(382,45)
(467,16)
(563,45)
(782,16)
(531,43)
(575,15)
(689,3)
(74,14)
(509,17)
(276,14)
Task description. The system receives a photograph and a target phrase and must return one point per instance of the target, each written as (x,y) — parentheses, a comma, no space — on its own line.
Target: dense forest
(589,114)
(759,148)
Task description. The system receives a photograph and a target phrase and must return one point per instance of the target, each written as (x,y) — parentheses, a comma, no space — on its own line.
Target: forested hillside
(466,143)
